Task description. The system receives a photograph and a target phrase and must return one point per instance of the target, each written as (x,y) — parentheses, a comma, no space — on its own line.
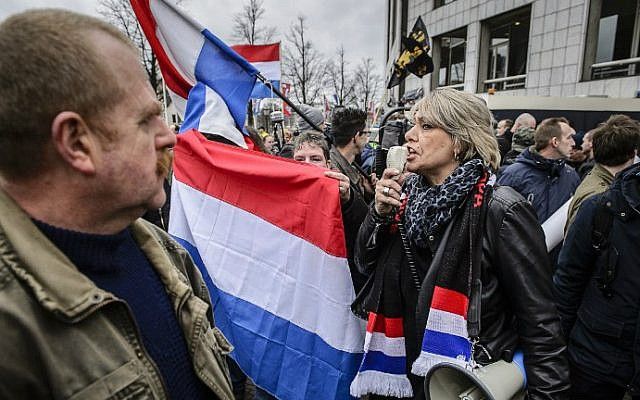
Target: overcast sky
(358,25)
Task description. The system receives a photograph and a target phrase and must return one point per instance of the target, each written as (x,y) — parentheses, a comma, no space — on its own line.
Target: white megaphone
(500,380)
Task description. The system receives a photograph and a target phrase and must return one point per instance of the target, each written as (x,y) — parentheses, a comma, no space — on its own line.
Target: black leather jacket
(517,301)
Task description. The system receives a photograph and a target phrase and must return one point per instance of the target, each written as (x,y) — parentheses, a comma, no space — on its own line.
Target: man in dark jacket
(597,288)
(540,174)
(350,137)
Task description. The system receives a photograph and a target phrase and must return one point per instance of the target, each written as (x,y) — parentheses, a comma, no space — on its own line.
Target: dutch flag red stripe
(174,80)
(228,174)
(258,53)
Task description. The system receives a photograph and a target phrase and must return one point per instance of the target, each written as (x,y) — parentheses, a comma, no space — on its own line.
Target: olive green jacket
(597,181)
(62,337)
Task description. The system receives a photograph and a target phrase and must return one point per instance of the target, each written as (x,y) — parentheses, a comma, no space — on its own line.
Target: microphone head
(397,157)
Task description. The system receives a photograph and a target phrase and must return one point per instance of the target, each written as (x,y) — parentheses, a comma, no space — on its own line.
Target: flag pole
(286,100)
(164,99)
(314,126)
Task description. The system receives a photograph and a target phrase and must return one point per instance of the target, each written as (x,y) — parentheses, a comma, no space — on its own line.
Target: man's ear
(74,142)
(554,141)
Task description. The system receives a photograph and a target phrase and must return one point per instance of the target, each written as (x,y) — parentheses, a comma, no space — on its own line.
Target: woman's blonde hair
(466,118)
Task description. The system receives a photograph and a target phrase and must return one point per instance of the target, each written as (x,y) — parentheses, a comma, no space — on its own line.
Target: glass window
(453,48)
(617,39)
(508,42)
(440,3)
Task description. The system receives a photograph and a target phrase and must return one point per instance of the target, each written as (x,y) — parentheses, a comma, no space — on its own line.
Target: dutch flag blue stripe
(288,351)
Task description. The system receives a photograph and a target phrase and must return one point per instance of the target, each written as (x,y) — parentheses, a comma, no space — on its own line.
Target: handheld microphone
(397,157)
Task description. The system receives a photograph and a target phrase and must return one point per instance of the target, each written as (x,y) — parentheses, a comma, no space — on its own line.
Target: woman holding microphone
(458,266)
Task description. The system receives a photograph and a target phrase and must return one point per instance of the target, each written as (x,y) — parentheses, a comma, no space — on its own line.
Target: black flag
(414,58)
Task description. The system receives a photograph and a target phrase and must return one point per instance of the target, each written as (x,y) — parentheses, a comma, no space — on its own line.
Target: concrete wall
(556,45)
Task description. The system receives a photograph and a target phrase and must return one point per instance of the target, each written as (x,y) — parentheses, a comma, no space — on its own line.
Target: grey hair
(526,119)
(466,118)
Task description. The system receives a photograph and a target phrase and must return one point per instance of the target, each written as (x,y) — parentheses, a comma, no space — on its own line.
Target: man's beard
(163,166)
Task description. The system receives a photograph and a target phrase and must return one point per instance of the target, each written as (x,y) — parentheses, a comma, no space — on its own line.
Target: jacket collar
(344,166)
(53,280)
(602,173)
(625,190)
(531,156)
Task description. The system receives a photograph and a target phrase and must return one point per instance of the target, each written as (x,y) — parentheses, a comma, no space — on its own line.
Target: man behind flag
(267,235)
(95,302)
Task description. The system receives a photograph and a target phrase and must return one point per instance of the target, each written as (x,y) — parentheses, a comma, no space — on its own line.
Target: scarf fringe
(381,383)
(426,361)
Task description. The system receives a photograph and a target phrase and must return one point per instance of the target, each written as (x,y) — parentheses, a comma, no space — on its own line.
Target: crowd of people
(453,248)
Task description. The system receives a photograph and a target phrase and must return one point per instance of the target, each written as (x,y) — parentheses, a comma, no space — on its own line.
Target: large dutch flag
(266,59)
(267,235)
(208,82)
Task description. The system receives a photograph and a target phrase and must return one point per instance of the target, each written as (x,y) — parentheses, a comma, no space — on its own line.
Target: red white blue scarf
(383,368)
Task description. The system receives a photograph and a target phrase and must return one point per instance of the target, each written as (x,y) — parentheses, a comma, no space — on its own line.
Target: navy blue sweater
(116,264)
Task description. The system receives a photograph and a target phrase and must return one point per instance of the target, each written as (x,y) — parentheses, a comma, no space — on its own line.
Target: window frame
(461,33)
(589,65)
(508,82)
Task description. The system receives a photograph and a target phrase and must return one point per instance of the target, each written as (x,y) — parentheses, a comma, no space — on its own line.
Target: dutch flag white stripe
(217,119)
(183,44)
(268,69)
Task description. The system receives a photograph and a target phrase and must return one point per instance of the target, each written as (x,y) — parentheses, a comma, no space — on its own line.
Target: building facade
(524,47)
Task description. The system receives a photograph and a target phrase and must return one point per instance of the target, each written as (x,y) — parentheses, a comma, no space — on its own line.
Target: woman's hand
(344,184)
(388,190)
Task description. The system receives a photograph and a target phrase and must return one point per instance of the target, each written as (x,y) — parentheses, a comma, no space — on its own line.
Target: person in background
(597,290)
(523,130)
(541,175)
(614,149)
(504,136)
(428,236)
(587,150)
(313,114)
(269,143)
(95,302)
(262,132)
(348,129)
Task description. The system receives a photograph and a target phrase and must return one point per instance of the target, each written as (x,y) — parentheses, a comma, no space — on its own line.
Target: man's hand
(344,184)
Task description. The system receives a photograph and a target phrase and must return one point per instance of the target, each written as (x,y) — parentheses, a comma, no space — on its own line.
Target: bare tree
(339,79)
(367,82)
(120,14)
(245,24)
(302,64)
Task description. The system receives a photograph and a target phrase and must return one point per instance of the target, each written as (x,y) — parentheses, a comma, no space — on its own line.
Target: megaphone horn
(500,380)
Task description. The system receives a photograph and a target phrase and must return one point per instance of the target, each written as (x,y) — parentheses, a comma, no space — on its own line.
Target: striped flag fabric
(209,83)
(266,59)
(267,235)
